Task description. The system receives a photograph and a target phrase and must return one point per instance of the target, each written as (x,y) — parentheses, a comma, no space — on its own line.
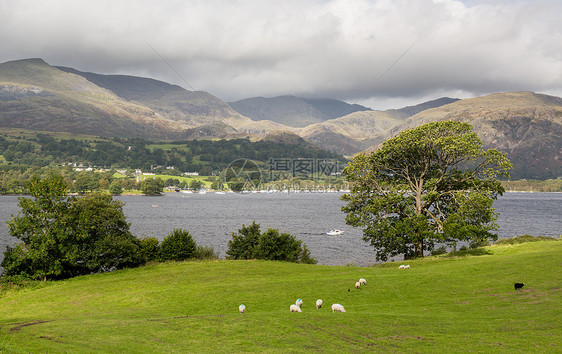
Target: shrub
(177,246)
(479,243)
(270,245)
(440,250)
(522,239)
(243,245)
(149,248)
(205,252)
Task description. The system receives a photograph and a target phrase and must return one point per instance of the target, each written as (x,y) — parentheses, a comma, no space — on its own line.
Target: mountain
(294,111)
(526,126)
(170,101)
(35,95)
(411,110)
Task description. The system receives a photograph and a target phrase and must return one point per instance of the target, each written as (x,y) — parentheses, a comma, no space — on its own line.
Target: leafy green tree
(100,240)
(195,184)
(433,183)
(152,186)
(250,243)
(243,244)
(67,236)
(115,188)
(177,246)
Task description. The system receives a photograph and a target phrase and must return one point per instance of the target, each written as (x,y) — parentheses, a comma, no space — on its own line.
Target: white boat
(334,232)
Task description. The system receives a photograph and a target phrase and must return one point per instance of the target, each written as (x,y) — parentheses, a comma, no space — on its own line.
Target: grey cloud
(333,48)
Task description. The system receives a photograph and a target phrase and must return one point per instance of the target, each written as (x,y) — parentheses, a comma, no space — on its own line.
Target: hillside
(35,95)
(294,111)
(441,304)
(354,132)
(525,125)
(170,101)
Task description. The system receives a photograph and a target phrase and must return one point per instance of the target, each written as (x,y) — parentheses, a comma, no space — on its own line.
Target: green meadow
(465,303)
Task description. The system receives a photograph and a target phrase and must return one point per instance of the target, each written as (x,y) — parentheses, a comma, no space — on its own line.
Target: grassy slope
(440,304)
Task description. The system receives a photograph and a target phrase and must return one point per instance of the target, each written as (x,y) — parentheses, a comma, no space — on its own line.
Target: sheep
(363,281)
(407,266)
(401,266)
(518,285)
(295,308)
(357,285)
(242,308)
(298,302)
(319,303)
(337,308)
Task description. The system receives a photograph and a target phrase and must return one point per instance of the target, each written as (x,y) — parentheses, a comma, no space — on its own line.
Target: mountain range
(37,96)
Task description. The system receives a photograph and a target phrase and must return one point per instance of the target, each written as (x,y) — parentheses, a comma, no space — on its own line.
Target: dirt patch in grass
(20,325)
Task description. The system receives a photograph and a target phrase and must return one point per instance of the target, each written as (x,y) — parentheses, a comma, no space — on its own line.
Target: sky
(379,53)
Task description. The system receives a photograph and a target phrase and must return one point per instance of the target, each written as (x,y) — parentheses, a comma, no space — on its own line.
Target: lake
(211,218)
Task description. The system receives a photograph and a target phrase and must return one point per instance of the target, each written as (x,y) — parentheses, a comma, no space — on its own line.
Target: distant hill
(411,110)
(294,111)
(170,101)
(35,95)
(525,125)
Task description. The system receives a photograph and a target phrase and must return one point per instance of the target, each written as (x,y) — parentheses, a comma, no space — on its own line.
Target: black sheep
(518,286)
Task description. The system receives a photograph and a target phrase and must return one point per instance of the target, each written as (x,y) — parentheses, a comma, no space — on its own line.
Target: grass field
(441,304)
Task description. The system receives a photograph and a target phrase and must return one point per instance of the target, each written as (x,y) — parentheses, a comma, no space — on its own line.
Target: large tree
(430,184)
(64,236)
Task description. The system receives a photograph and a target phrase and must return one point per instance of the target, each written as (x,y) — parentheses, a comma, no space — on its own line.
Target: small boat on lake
(334,232)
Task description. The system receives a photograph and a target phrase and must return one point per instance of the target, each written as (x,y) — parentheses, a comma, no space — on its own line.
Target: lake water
(211,219)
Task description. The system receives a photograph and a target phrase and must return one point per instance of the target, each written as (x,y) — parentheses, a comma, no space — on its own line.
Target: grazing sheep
(518,286)
(407,266)
(295,308)
(242,308)
(357,285)
(318,303)
(298,302)
(363,281)
(401,266)
(337,308)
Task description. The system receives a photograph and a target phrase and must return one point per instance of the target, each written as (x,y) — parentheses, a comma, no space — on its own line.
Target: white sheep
(319,303)
(337,308)
(363,281)
(242,308)
(298,302)
(407,266)
(295,308)
(357,285)
(401,266)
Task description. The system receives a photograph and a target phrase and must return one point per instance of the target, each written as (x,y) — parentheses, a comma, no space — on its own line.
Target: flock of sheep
(298,304)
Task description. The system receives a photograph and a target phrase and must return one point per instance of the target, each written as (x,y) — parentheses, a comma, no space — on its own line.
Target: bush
(479,243)
(440,250)
(523,239)
(205,252)
(243,245)
(149,248)
(177,246)
(270,245)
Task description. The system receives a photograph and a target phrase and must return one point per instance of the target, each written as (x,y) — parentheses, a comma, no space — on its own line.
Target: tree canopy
(251,243)
(64,236)
(430,184)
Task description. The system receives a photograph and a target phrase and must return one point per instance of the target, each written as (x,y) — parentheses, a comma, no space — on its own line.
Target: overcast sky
(380,53)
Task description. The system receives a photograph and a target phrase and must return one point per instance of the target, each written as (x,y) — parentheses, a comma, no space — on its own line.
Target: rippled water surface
(211,218)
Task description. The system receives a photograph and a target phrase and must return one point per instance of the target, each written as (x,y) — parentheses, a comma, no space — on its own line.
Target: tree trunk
(418,249)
